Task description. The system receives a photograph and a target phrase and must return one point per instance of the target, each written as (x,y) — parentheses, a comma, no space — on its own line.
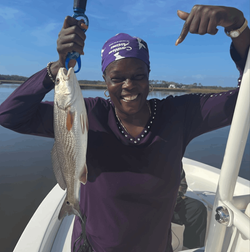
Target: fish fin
(57,168)
(84,175)
(87,124)
(68,209)
(82,123)
(70,119)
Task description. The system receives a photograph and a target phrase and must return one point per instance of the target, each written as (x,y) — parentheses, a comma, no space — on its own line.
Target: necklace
(149,109)
(136,140)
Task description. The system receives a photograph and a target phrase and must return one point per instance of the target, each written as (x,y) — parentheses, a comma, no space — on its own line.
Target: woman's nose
(127,83)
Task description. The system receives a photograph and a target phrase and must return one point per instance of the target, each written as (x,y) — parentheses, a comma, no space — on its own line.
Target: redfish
(71,136)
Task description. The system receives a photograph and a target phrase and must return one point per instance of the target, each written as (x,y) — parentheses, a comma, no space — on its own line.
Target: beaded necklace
(125,132)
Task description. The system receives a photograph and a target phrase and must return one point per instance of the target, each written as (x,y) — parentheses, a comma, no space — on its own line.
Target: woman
(135,145)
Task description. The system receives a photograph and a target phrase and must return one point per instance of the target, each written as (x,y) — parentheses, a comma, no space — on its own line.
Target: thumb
(72,63)
(182,14)
(69,21)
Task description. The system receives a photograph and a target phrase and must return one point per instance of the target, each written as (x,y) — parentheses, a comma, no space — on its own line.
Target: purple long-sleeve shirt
(132,182)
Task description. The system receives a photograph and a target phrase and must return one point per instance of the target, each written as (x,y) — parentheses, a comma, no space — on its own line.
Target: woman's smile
(129,98)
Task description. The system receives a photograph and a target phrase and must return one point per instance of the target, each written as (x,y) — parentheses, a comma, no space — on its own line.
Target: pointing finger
(185,29)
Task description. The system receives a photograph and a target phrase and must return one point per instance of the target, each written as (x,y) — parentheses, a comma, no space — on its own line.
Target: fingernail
(84,26)
(177,42)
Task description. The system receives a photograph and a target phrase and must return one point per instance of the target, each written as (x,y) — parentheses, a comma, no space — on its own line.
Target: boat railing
(224,207)
(241,201)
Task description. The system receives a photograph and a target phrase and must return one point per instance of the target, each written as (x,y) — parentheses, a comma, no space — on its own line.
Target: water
(26,174)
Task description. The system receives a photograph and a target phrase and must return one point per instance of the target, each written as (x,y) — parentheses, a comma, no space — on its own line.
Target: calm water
(26,174)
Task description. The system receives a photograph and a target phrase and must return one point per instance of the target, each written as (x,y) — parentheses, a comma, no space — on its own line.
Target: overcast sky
(29,30)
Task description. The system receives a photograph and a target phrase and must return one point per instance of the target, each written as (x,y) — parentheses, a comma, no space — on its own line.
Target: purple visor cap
(122,46)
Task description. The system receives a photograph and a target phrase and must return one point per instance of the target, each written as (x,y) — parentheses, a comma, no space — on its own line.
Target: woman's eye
(116,80)
(139,77)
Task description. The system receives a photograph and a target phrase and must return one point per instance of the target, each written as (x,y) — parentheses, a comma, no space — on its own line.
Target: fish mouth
(66,74)
(70,72)
(65,71)
(128,98)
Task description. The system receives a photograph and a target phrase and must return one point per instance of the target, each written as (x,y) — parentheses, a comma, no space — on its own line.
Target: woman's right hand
(70,38)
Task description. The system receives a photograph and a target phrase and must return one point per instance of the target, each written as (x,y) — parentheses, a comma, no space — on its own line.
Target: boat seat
(177,230)
(177,236)
(207,198)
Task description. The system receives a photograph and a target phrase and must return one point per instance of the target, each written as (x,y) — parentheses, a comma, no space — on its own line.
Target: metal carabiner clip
(79,11)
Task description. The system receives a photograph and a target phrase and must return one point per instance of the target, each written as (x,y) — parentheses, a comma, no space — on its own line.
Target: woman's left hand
(205,18)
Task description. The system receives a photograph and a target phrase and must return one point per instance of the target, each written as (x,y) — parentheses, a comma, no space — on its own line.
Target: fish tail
(68,209)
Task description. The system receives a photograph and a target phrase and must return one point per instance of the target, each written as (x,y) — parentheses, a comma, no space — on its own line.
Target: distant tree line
(155,83)
(91,82)
(13,77)
(172,84)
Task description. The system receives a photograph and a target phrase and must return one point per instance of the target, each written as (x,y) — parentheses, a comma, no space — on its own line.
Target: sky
(29,31)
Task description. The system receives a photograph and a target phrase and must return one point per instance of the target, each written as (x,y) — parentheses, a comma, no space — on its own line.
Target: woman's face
(128,86)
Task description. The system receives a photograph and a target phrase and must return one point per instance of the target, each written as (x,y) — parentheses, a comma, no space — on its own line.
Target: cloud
(46,34)
(96,16)
(9,13)
(10,18)
(199,76)
(158,17)
(139,11)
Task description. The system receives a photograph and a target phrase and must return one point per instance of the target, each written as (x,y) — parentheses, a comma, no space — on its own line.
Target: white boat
(226,196)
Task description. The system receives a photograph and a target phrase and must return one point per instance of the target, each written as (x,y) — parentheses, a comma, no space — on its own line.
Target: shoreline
(185,90)
(11,82)
(102,86)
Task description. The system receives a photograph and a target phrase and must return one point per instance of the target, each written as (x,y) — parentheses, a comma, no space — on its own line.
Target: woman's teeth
(129,98)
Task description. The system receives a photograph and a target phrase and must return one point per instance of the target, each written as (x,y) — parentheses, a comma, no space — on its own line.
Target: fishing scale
(79,9)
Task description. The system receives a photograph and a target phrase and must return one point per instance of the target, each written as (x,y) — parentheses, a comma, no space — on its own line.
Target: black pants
(193,214)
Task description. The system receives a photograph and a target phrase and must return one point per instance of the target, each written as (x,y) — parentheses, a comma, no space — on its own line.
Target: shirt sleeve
(207,112)
(23,110)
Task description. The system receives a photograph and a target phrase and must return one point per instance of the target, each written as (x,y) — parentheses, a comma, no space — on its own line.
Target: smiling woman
(129,90)
(135,144)
(128,80)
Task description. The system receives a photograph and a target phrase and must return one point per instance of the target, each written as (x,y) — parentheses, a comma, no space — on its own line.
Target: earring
(105,93)
(151,88)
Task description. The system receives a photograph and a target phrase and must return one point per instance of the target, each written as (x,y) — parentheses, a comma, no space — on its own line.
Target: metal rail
(230,169)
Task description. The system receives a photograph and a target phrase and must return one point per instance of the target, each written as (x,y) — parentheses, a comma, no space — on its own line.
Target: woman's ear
(104,77)
(148,73)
